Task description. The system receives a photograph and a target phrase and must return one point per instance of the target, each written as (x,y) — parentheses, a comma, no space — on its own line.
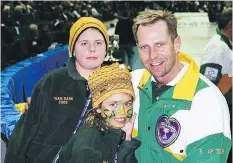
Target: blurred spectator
(94,12)
(6,35)
(7,16)
(37,42)
(127,52)
(18,15)
(111,30)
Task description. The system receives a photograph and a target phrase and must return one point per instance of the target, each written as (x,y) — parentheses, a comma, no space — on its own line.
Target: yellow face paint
(117,110)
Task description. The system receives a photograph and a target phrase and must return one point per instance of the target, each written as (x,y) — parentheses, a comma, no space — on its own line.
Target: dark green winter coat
(56,106)
(90,145)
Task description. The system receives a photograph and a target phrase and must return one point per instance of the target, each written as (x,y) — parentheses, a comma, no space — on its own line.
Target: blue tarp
(18,81)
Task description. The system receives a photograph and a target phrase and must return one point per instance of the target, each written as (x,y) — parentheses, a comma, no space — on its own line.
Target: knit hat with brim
(81,25)
(109,80)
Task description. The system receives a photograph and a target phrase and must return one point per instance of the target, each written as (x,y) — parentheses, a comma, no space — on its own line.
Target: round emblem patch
(167,130)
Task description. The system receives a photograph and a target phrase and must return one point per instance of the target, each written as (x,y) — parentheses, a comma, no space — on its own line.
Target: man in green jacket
(182,116)
(59,98)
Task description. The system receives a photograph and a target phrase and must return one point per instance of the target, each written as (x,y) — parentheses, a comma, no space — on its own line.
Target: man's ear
(177,43)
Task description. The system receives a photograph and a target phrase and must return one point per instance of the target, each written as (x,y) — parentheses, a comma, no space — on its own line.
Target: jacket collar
(114,135)
(72,70)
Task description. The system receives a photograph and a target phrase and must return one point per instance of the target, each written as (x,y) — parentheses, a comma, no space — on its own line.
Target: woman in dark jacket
(105,135)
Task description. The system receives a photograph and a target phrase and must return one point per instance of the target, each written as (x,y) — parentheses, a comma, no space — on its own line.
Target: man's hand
(128,128)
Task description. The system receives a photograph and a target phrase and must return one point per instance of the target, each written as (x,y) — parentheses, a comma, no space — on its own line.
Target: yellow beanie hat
(109,80)
(82,24)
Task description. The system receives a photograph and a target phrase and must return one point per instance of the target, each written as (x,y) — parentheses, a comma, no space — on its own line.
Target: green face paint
(104,113)
(129,113)
(116,114)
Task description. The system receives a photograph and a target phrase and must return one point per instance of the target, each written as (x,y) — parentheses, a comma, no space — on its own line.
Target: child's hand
(128,128)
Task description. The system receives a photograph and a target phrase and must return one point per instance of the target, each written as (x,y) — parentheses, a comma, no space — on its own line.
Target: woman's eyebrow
(82,40)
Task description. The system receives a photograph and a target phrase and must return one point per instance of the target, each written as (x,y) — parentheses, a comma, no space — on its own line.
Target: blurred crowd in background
(29,28)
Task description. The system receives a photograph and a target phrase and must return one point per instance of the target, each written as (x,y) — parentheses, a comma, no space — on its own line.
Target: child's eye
(113,105)
(128,104)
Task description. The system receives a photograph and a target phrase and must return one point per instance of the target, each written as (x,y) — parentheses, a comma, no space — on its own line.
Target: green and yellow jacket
(186,120)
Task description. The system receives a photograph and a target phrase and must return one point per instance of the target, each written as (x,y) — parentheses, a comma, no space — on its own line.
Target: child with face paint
(106,133)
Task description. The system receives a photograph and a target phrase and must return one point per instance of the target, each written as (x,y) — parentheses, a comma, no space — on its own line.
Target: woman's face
(90,49)
(117,110)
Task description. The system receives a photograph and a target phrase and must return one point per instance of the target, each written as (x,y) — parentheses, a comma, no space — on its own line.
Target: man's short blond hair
(151,16)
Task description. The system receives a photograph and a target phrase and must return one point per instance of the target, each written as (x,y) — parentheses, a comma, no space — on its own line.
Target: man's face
(90,49)
(117,110)
(157,52)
